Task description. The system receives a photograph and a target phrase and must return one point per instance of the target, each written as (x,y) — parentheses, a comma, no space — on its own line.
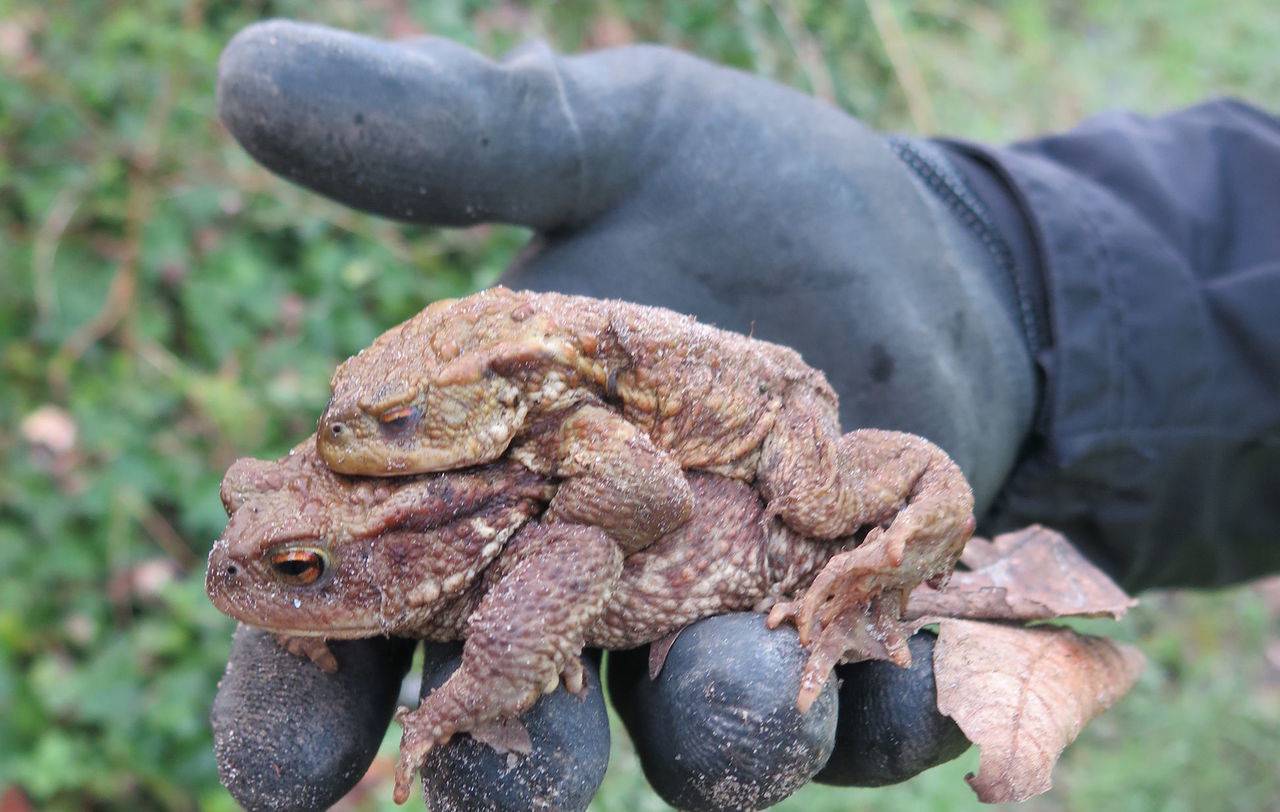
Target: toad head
(446,389)
(307,552)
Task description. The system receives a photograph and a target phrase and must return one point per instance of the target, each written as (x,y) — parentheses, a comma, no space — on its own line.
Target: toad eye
(299,566)
(400,419)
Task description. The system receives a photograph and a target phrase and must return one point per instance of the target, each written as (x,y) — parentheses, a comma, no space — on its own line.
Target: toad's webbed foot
(422,733)
(573,676)
(315,649)
(846,615)
(851,611)
(546,589)
(433,724)
(827,486)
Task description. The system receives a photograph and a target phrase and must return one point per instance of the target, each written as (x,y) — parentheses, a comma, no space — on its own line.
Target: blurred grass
(168,306)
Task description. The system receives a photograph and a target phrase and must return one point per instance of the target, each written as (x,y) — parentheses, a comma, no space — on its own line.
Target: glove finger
(718,729)
(570,737)
(889,727)
(289,736)
(428,131)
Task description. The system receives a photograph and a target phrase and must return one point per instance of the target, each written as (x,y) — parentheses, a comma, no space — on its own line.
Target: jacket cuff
(1159,418)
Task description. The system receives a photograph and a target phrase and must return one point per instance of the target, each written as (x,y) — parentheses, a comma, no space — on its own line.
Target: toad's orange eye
(300,566)
(398,413)
(400,419)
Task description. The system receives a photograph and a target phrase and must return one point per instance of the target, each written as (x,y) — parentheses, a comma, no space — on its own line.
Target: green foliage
(178,307)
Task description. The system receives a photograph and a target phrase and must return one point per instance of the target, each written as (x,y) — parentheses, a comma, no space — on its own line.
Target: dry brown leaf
(1023,694)
(504,736)
(658,651)
(51,428)
(1030,574)
(609,31)
(12,799)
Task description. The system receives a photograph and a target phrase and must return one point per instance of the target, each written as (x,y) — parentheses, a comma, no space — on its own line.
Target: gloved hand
(652,176)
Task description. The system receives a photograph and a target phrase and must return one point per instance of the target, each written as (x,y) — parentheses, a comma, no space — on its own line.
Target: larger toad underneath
(312,555)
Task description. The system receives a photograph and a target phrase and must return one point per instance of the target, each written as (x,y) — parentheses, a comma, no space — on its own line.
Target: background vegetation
(167,306)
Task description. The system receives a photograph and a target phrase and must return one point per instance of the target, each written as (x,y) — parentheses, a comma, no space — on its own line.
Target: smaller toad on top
(615,401)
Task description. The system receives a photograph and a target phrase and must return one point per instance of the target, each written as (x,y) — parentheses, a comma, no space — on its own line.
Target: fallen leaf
(1029,574)
(658,651)
(1023,694)
(18,35)
(609,31)
(504,736)
(12,799)
(144,581)
(51,428)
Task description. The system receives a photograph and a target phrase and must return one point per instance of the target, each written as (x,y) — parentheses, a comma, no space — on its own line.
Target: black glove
(655,177)
(289,736)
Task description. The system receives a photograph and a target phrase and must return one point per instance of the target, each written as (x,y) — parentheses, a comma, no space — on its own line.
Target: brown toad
(616,401)
(312,555)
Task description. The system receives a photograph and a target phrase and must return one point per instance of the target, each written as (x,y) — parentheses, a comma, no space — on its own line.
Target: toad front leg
(924,507)
(548,587)
(315,649)
(614,477)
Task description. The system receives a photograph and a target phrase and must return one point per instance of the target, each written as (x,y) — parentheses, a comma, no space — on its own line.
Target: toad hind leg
(826,485)
(851,610)
(547,588)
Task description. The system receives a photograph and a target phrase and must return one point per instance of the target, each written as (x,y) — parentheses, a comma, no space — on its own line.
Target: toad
(312,556)
(616,401)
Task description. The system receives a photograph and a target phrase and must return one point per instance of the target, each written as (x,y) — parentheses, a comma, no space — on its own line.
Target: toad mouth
(329,633)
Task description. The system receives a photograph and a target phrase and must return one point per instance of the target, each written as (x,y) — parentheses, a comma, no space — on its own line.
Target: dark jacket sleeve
(1157,241)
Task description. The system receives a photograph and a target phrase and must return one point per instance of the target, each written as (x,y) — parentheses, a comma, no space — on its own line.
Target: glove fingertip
(889,727)
(286,734)
(719,728)
(570,750)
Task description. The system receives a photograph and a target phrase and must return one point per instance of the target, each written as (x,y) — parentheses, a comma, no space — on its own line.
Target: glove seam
(969,210)
(571,120)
